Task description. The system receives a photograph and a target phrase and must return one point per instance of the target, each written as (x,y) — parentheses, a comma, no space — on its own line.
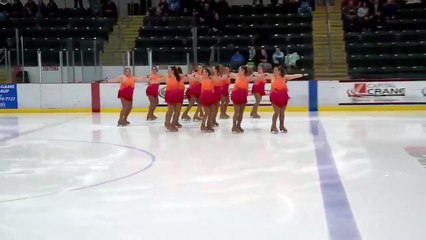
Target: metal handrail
(330,48)
(2,52)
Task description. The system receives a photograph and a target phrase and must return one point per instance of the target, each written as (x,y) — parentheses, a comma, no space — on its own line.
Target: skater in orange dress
(174,97)
(208,101)
(218,85)
(127,87)
(225,93)
(193,95)
(279,96)
(239,97)
(258,90)
(152,92)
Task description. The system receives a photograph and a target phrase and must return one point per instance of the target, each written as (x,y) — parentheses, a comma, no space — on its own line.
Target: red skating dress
(240,91)
(127,88)
(259,87)
(279,92)
(174,91)
(218,85)
(225,87)
(194,90)
(208,96)
(154,84)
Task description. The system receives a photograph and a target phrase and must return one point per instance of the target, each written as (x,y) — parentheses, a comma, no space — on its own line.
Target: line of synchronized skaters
(209,88)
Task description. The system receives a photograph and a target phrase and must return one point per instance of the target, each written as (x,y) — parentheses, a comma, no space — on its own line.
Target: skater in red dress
(152,92)
(193,95)
(225,93)
(127,87)
(239,97)
(258,90)
(174,98)
(208,101)
(279,96)
(218,85)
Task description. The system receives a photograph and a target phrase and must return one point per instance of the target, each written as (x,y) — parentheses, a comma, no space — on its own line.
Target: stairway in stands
(121,39)
(3,75)
(327,68)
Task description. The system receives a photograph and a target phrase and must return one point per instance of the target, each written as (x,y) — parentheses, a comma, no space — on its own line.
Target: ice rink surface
(337,175)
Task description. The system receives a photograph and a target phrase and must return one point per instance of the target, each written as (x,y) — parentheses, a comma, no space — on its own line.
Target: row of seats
(53,32)
(263,9)
(228,30)
(412,13)
(51,57)
(387,60)
(406,24)
(386,36)
(240,19)
(388,72)
(106,23)
(179,41)
(58,43)
(178,55)
(386,48)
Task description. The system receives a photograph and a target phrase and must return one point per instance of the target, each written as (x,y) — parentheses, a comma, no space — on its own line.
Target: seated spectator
(111,10)
(262,57)
(42,9)
(5,9)
(216,25)
(237,60)
(252,52)
(304,7)
(174,7)
(31,8)
(206,16)
(164,7)
(351,22)
(350,6)
(278,57)
(212,4)
(377,22)
(364,15)
(17,9)
(161,19)
(222,8)
(390,9)
(52,9)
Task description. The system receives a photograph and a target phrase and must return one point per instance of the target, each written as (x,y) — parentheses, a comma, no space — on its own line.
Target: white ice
(78,176)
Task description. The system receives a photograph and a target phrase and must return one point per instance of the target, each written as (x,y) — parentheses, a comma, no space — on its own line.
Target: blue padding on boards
(313,96)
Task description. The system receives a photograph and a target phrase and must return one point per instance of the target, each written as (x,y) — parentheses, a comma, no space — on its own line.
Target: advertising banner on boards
(8,96)
(382,92)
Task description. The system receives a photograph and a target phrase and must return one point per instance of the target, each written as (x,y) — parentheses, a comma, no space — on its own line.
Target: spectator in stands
(278,57)
(377,22)
(252,52)
(364,15)
(174,7)
(78,2)
(161,19)
(206,16)
(237,60)
(41,10)
(350,6)
(111,10)
(17,9)
(5,9)
(351,22)
(304,7)
(52,9)
(31,8)
(216,25)
(222,7)
(262,57)
(255,2)
(212,4)
(164,7)
(390,9)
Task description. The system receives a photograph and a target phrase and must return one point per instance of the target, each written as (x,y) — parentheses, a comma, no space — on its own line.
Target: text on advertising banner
(8,96)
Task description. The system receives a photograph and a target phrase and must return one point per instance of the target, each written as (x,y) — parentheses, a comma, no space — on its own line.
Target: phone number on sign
(7,98)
